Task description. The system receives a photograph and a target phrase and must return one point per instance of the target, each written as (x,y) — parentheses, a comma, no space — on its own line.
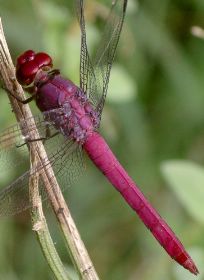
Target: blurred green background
(153,120)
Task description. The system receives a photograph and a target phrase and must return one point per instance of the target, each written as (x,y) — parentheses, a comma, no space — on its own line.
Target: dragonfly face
(29,64)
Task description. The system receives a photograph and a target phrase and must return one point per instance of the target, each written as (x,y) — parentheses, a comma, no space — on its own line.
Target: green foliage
(187,180)
(153,115)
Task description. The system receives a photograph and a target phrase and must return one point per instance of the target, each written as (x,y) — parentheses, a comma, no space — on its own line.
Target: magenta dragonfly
(70,121)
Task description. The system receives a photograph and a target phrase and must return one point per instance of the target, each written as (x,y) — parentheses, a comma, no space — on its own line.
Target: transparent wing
(86,67)
(107,48)
(64,156)
(94,76)
(14,152)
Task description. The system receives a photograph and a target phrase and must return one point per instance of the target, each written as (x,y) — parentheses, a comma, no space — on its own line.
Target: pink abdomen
(104,159)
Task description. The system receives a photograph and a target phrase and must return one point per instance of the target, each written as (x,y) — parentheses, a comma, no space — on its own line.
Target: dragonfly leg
(48,136)
(30,141)
(25,101)
(53,135)
(54,72)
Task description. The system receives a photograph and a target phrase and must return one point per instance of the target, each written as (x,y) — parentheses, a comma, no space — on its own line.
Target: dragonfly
(69,125)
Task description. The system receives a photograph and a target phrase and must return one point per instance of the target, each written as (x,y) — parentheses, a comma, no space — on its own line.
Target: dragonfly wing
(107,48)
(94,76)
(64,156)
(86,67)
(13,148)
(67,164)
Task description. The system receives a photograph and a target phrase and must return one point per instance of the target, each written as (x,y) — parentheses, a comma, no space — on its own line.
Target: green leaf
(186,179)
(121,86)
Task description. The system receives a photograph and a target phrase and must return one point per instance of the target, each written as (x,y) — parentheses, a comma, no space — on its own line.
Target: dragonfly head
(29,63)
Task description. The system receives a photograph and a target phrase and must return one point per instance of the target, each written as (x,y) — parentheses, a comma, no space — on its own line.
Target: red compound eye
(26,72)
(43,59)
(26,56)
(29,63)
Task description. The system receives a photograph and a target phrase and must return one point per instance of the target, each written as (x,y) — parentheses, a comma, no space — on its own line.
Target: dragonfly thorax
(67,105)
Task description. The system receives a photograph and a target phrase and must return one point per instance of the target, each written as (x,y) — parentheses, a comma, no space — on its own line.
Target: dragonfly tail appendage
(104,159)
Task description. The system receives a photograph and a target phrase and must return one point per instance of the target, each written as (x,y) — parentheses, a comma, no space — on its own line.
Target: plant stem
(72,237)
(40,225)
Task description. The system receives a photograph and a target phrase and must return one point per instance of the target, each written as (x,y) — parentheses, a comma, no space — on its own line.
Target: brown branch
(74,243)
(40,225)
